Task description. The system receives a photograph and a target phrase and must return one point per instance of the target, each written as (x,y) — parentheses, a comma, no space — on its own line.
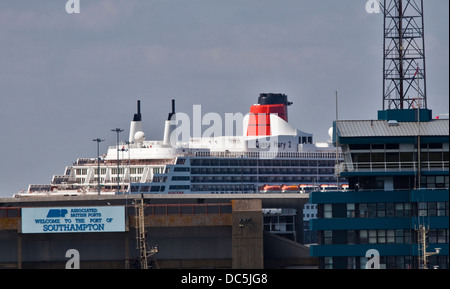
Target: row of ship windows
(146,189)
(111,180)
(394,236)
(263,179)
(254,171)
(250,179)
(156,189)
(224,188)
(261,163)
(386,210)
(81,172)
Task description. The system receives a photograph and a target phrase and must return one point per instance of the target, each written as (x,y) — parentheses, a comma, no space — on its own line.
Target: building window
(327,211)
(328,262)
(392,146)
(363,262)
(433,209)
(363,237)
(434,182)
(399,209)
(381,210)
(362,210)
(372,236)
(442,236)
(351,263)
(390,212)
(381,236)
(390,236)
(351,211)
(327,237)
(399,236)
(441,209)
(372,210)
(351,237)
(402,236)
(408,210)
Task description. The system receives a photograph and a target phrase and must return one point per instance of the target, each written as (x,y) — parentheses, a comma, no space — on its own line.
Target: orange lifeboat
(290,189)
(271,189)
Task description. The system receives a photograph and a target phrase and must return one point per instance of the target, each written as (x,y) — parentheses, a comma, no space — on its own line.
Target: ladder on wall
(141,238)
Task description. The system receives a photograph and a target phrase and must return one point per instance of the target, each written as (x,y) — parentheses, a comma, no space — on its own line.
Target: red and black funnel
(268,103)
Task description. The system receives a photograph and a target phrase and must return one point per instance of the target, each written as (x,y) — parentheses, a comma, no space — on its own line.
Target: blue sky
(66,79)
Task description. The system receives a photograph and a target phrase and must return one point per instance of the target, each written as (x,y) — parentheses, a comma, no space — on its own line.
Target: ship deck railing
(393,166)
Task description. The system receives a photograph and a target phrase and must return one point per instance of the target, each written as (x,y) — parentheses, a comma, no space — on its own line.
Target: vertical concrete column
(19,243)
(247,234)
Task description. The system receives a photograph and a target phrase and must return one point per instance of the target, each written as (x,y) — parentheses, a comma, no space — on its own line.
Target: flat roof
(382,128)
(269,200)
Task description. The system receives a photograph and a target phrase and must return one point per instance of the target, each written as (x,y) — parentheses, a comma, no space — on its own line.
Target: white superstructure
(270,156)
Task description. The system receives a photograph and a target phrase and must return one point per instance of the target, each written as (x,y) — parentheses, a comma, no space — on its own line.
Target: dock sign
(73,219)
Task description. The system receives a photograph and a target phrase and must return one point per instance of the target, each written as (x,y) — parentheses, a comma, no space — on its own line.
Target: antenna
(404,55)
(337,168)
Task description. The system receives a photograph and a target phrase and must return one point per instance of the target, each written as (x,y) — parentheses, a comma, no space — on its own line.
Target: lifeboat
(325,188)
(271,189)
(306,188)
(290,189)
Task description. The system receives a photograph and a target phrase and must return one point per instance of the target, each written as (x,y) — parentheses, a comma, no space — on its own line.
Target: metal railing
(393,166)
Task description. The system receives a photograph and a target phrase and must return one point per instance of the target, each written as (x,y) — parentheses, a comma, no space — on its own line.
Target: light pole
(98,161)
(118,131)
(129,162)
(422,242)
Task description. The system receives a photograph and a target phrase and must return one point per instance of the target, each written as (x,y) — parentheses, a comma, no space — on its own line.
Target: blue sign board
(73,219)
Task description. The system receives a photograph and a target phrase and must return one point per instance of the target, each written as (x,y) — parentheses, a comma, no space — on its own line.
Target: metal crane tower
(404,81)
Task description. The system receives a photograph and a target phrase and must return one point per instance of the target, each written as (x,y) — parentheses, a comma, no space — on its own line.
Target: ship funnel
(137,116)
(173,110)
(136,127)
(168,127)
(259,119)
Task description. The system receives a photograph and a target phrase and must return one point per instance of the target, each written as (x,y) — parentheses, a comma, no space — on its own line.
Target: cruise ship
(270,156)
